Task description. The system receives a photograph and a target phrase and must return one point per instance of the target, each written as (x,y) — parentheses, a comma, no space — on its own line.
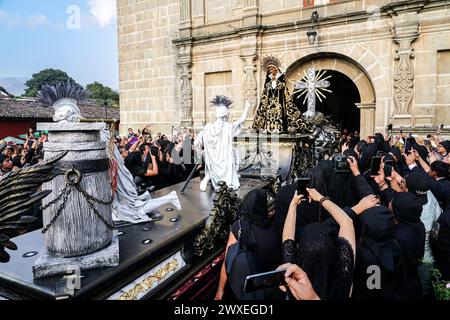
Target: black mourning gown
(331,276)
(276,112)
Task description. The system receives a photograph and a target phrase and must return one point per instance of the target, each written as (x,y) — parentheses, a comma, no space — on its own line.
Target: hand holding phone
(375,166)
(302,184)
(387,170)
(260,281)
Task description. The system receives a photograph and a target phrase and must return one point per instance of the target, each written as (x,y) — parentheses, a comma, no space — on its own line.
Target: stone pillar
(367,119)
(404,32)
(184,63)
(250,13)
(250,44)
(198,13)
(186,95)
(185,18)
(249,87)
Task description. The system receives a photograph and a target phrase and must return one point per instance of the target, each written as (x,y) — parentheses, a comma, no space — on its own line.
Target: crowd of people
(14,156)
(356,233)
(157,161)
(154,161)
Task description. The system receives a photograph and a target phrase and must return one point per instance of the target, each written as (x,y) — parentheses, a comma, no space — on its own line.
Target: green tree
(103,94)
(47,76)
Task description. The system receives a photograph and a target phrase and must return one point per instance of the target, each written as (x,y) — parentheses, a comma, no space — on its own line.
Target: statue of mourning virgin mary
(276,112)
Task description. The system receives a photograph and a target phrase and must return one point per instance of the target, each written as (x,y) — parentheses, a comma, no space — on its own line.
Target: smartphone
(442,127)
(342,166)
(264,280)
(375,166)
(387,170)
(389,162)
(428,136)
(389,127)
(302,184)
(409,142)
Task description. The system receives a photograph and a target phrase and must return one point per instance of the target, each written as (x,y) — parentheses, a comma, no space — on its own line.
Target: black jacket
(439,188)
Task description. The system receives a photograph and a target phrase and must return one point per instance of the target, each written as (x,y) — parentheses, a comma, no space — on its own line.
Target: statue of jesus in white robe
(221,159)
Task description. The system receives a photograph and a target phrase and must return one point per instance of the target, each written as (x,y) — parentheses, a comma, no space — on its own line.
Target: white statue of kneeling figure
(221,159)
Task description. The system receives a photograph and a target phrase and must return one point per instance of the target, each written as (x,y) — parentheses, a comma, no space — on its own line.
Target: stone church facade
(174,55)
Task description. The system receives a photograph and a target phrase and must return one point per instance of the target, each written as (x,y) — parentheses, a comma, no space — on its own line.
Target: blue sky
(39,34)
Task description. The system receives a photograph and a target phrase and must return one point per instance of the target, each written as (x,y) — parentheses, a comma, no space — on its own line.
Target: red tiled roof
(11,108)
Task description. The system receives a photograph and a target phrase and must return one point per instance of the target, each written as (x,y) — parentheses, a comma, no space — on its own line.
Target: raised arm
(135,145)
(291,218)
(154,170)
(245,114)
(346,229)
(421,161)
(362,186)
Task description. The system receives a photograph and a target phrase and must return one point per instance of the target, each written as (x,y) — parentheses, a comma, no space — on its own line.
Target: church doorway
(352,102)
(340,103)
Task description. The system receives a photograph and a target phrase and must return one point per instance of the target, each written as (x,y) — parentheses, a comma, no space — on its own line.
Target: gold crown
(270,61)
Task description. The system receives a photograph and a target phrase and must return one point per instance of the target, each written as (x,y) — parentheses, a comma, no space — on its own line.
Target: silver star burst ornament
(312,85)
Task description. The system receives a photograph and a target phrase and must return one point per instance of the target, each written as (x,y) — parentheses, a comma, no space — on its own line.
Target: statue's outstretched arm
(198,142)
(245,114)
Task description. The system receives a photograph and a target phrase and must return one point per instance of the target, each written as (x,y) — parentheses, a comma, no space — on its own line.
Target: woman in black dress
(325,253)
(258,237)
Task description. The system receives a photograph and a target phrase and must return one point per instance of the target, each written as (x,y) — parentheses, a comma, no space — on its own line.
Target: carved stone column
(185,72)
(405,32)
(367,119)
(249,87)
(184,63)
(186,95)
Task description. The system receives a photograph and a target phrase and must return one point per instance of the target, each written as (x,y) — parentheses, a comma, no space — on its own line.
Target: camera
(154,151)
(341,164)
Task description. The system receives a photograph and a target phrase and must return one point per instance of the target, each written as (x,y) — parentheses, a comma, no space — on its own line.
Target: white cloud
(12,20)
(103,10)
(36,20)
(9,19)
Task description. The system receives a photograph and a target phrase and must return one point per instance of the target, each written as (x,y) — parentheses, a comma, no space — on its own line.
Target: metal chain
(89,198)
(57,198)
(65,195)
(60,210)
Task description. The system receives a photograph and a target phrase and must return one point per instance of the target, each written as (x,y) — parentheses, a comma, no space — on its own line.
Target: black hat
(417,185)
(407,208)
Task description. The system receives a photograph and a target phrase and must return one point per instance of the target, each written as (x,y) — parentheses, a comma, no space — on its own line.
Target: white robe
(221,159)
(127,205)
